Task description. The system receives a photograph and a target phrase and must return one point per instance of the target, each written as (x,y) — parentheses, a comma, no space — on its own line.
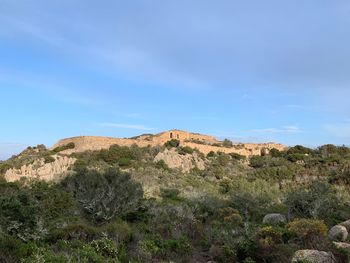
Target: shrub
(308,232)
(170,194)
(105,195)
(319,201)
(124,162)
(227,143)
(162,165)
(299,149)
(269,236)
(230,216)
(105,247)
(19,213)
(68,146)
(236,156)
(49,159)
(185,150)
(74,231)
(173,143)
(211,154)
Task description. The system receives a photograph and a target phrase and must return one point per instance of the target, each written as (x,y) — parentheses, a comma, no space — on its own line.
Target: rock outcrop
(313,256)
(338,233)
(185,163)
(274,219)
(52,171)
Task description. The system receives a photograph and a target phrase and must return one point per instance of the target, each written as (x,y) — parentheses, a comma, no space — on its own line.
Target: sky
(247,70)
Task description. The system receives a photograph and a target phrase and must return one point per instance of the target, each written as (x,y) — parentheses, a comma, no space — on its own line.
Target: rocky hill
(189,153)
(204,143)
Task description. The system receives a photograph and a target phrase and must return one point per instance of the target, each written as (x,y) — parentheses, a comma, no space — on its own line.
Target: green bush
(308,232)
(68,146)
(173,143)
(104,196)
(105,247)
(185,150)
(170,194)
(227,143)
(19,213)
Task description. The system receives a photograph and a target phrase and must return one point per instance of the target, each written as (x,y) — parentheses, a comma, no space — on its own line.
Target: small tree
(227,143)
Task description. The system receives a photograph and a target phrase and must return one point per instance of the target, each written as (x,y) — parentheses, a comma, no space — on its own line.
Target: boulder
(338,233)
(313,256)
(342,246)
(346,224)
(274,219)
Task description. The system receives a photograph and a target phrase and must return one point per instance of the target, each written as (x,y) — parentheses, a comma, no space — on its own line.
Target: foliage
(227,143)
(173,143)
(308,232)
(99,214)
(106,195)
(317,201)
(68,146)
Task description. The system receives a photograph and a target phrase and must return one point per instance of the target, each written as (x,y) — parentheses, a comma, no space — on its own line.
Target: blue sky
(247,70)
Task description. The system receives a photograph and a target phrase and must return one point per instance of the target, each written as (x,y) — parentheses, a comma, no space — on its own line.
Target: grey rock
(338,233)
(274,219)
(313,256)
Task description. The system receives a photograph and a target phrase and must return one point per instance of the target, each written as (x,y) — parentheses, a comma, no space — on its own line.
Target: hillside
(204,143)
(154,198)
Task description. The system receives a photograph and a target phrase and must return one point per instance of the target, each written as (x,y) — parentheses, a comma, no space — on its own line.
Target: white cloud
(285,129)
(125,126)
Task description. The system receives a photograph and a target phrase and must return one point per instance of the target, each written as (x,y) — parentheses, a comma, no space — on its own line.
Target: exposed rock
(313,256)
(274,219)
(346,224)
(52,171)
(342,246)
(338,233)
(183,162)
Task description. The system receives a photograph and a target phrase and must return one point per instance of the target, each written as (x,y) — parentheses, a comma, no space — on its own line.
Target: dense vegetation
(120,206)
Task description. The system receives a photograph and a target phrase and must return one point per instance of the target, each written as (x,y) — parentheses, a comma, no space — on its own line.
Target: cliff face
(203,143)
(40,170)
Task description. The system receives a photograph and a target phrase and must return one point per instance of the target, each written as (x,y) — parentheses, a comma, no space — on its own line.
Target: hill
(204,143)
(92,199)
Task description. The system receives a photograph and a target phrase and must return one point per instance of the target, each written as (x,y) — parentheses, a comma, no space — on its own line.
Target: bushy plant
(173,143)
(103,196)
(308,232)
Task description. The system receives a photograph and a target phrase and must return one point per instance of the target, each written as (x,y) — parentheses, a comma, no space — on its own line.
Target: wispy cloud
(125,126)
(285,129)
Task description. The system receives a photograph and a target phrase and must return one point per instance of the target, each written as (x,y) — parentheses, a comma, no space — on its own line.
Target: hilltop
(203,143)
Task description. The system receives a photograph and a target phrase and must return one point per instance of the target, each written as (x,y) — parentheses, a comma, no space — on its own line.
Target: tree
(227,143)
(104,196)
